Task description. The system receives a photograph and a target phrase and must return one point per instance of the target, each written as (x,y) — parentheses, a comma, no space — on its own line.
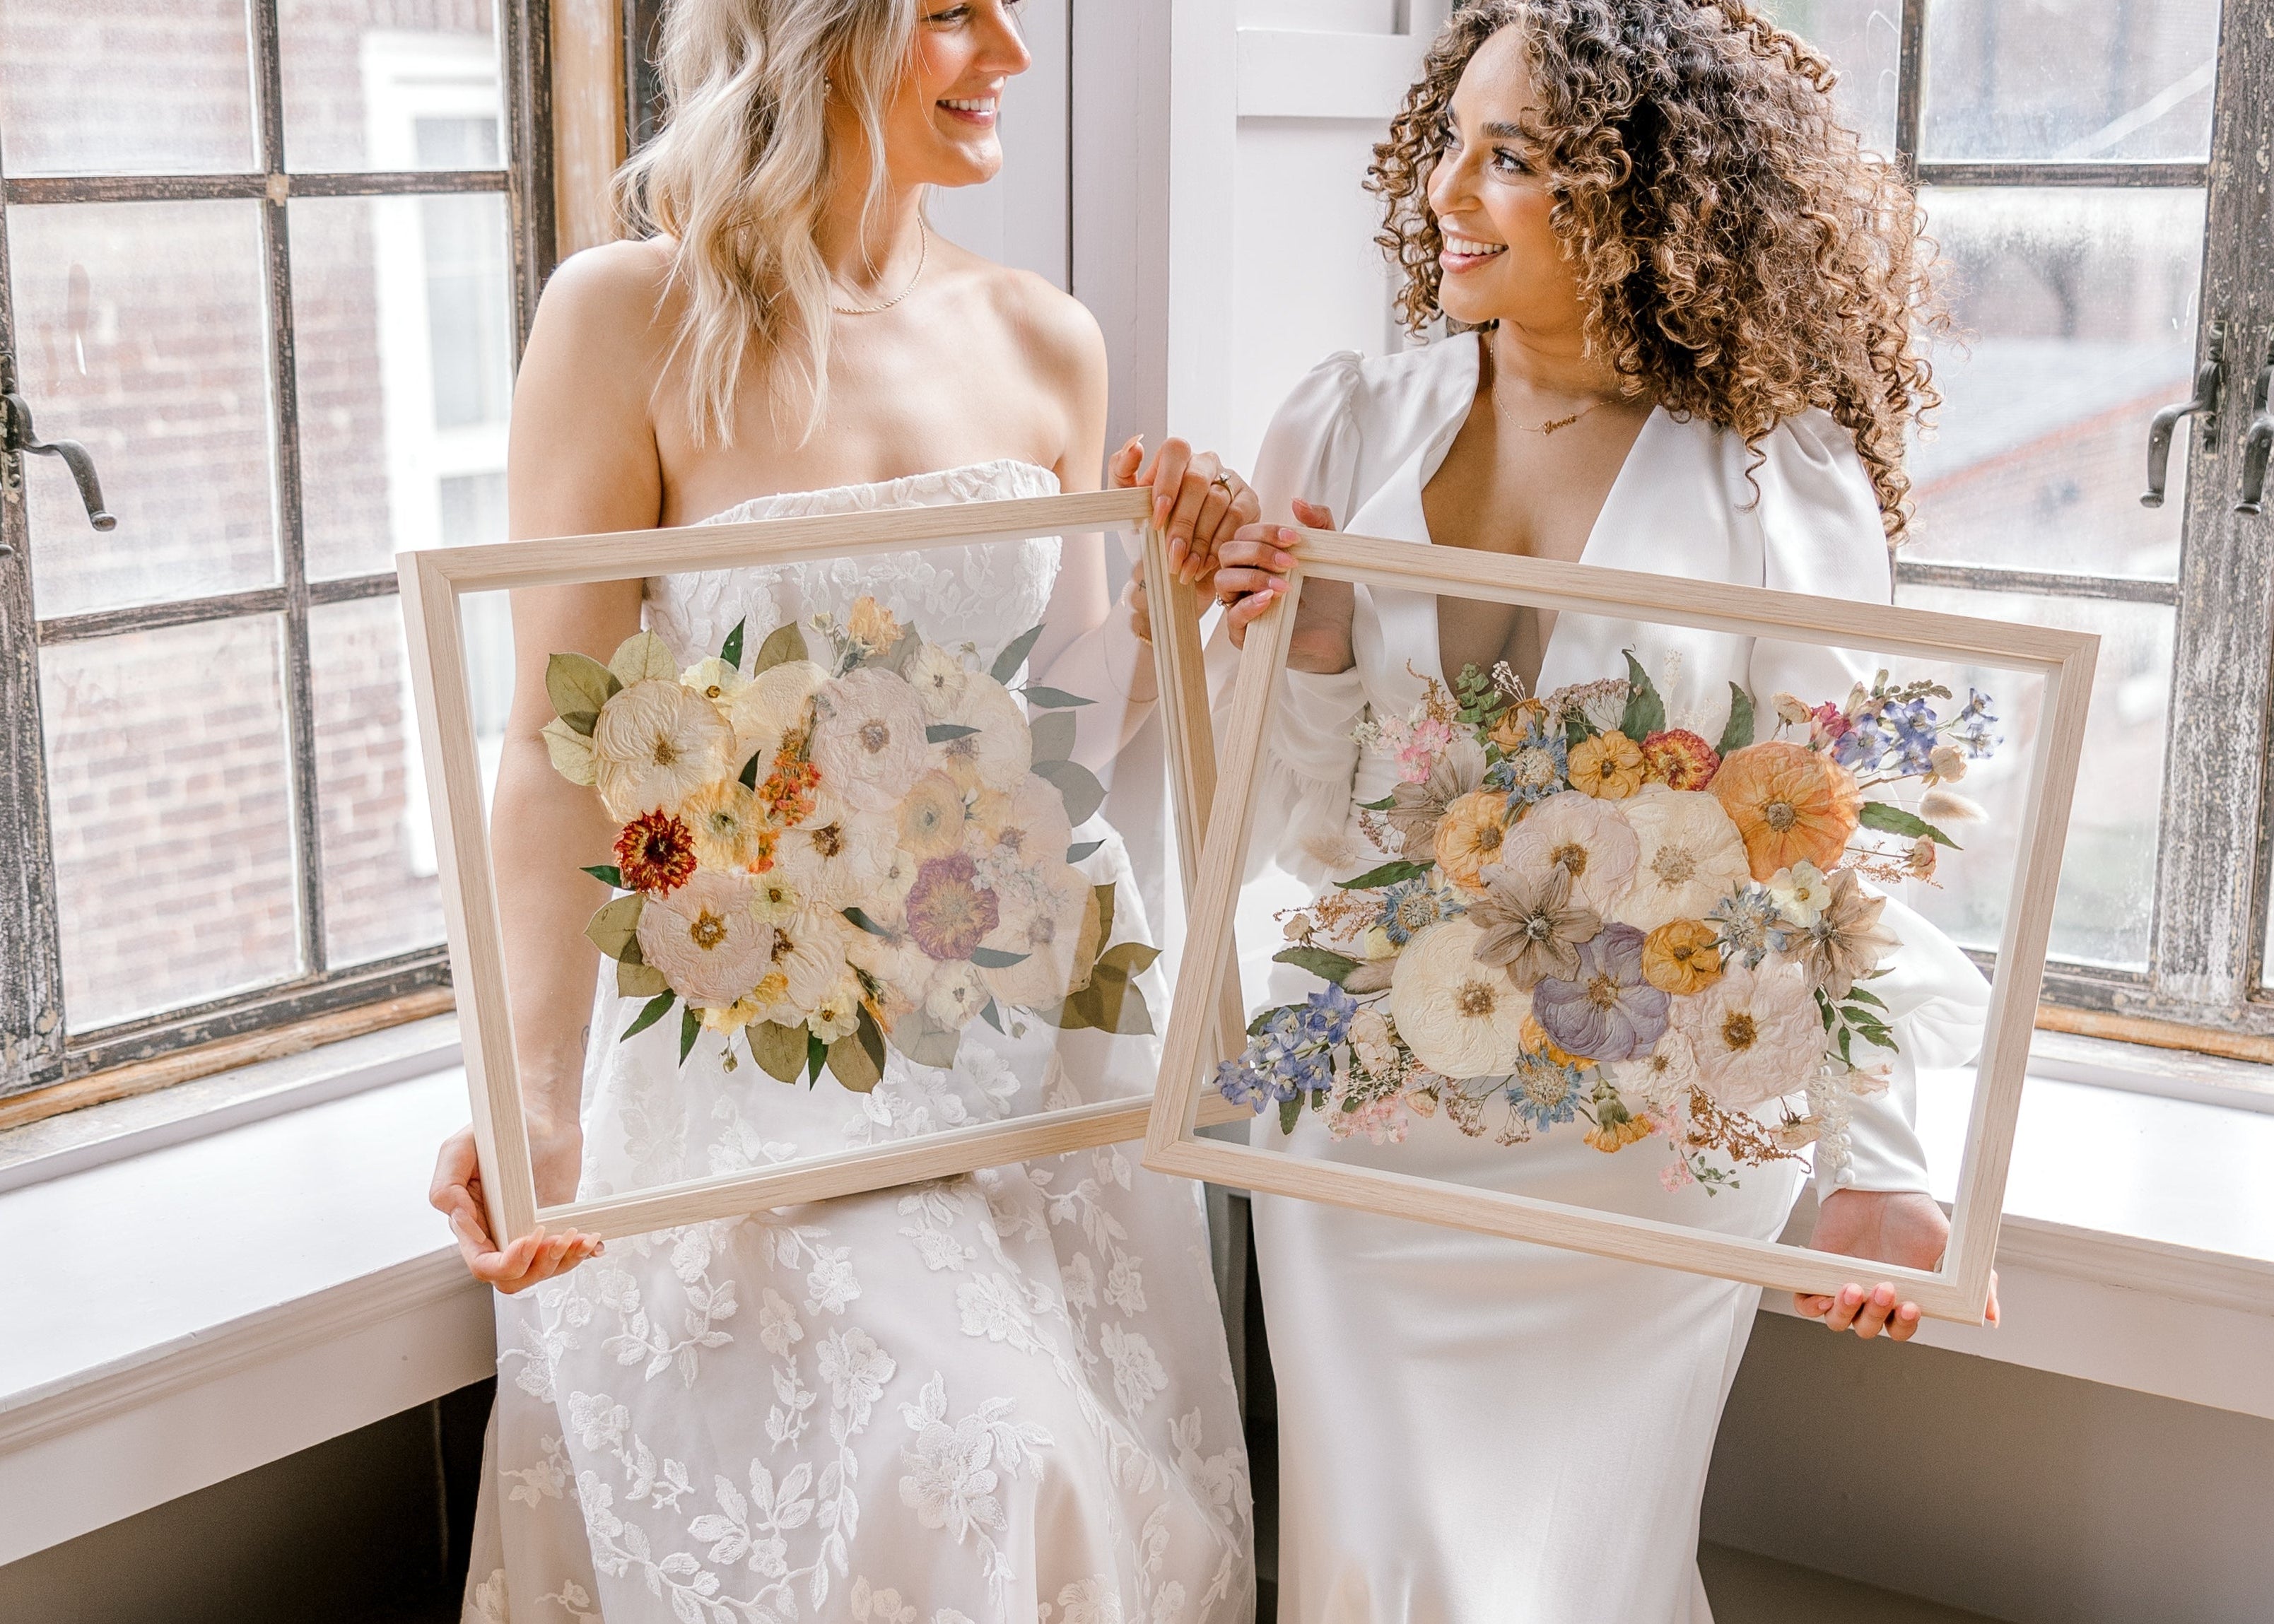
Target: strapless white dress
(1005,1396)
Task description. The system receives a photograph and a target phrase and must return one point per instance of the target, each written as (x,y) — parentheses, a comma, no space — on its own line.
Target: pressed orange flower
(1515,723)
(1469,836)
(1678,759)
(655,852)
(1610,1135)
(1682,955)
(1790,805)
(1536,1042)
(1609,766)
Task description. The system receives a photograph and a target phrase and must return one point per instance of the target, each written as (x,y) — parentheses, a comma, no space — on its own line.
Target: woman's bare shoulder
(619,299)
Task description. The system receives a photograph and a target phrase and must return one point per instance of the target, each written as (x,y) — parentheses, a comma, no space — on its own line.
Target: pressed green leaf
(730,651)
(992,1016)
(570,748)
(1894,821)
(1076,784)
(1382,805)
(857,1059)
(615,925)
(1739,732)
(1256,1027)
(1080,849)
(1014,654)
(856,916)
(1327,965)
(1576,730)
(896,658)
(1053,736)
(1053,698)
(608,874)
(1110,1003)
(925,1040)
(579,686)
(1104,894)
(651,1011)
(1862,996)
(1645,712)
(642,657)
(779,1051)
(995,958)
(940,732)
(639,980)
(1389,874)
(1291,1112)
(817,1056)
(1130,958)
(783,644)
(749,777)
(690,1026)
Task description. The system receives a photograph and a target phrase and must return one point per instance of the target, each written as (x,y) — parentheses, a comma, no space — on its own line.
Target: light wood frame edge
(1959,1289)
(431,583)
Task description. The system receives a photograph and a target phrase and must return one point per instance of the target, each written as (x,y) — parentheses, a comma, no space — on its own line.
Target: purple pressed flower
(949,913)
(1607,1011)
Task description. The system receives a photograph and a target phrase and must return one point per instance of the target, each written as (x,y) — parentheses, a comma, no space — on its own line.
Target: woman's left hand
(1196,499)
(1904,1226)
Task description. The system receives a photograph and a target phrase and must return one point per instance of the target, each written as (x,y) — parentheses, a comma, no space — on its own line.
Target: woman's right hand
(1251,577)
(456,1193)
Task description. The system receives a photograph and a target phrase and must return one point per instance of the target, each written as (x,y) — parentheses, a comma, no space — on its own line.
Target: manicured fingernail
(1283,560)
(1278,583)
(1850,1296)
(1883,1295)
(1291,537)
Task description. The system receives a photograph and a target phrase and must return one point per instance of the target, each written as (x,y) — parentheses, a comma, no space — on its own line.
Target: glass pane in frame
(142,331)
(171,800)
(1864,40)
(884,849)
(2075,310)
(402,323)
(1637,948)
(2065,81)
(126,88)
(369,86)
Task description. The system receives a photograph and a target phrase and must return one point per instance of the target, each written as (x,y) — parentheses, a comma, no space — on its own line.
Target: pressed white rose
(1053,920)
(715,680)
(869,739)
(997,753)
(769,705)
(838,856)
(1802,892)
(1689,856)
(938,678)
(705,940)
(655,744)
(837,1013)
(955,994)
(810,953)
(1020,833)
(1588,838)
(1460,1018)
(1661,1078)
(1754,1034)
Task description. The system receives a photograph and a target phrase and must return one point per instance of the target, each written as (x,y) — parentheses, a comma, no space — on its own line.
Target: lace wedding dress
(1005,1396)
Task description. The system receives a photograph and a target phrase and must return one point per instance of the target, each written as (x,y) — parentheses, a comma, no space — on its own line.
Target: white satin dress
(1474,1429)
(1004,1397)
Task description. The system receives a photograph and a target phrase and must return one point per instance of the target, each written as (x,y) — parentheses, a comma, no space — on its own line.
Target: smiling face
(1502,258)
(940,123)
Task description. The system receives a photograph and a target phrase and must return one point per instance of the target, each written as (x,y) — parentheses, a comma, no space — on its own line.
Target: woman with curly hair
(1682,303)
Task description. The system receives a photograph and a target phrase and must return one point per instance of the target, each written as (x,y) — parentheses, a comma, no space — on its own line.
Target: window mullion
(2209,910)
(283,393)
(31,951)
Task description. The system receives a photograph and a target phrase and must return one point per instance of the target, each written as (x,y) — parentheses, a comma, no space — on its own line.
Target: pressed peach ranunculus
(1789,804)
(1468,837)
(1682,957)
(1609,766)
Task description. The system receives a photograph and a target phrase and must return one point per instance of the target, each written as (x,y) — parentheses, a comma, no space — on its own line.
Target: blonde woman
(996,1397)
(1685,304)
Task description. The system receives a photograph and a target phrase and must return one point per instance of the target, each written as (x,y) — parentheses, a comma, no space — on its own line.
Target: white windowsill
(182,1309)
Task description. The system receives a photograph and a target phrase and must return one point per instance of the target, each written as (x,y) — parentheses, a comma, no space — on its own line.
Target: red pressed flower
(1679,759)
(1827,723)
(655,853)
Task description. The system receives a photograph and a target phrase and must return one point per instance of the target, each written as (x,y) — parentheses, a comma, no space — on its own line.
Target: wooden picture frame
(433,585)
(1959,1289)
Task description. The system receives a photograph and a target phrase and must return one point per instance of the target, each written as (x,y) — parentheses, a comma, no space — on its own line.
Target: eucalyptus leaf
(1053,736)
(1388,873)
(579,686)
(1291,1112)
(1104,894)
(730,651)
(779,1051)
(940,732)
(857,1059)
(1130,958)
(925,1040)
(1739,732)
(1080,849)
(1327,965)
(896,658)
(690,1027)
(615,927)
(1014,654)
(991,1015)
(1076,784)
(748,776)
(639,980)
(642,657)
(995,958)
(651,1011)
(570,748)
(783,644)
(1645,712)
(857,917)
(817,1056)
(1052,698)
(1894,821)
(608,875)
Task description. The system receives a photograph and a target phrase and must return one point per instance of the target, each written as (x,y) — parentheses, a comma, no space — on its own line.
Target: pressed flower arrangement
(854,840)
(1595,919)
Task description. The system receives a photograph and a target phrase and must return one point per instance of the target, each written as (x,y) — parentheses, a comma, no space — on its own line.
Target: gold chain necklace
(1542,429)
(924,252)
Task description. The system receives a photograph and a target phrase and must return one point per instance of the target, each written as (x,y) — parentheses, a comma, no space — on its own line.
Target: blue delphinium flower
(1326,1018)
(1544,1094)
(1865,741)
(1912,728)
(1538,767)
(1239,1081)
(1972,725)
(1747,926)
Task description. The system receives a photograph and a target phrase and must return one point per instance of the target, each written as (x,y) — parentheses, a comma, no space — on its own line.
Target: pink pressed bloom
(1382,1120)
(948,911)
(1826,723)
(1675,1174)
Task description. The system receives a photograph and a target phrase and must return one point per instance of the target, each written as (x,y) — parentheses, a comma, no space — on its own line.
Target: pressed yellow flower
(1536,1042)
(1609,766)
(1789,804)
(873,624)
(1515,723)
(725,818)
(1468,837)
(931,817)
(1682,957)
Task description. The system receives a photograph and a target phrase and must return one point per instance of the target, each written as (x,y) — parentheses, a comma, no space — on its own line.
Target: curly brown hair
(1743,259)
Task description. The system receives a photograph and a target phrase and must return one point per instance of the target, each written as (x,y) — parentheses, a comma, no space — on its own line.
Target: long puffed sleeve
(1311,452)
(1820,534)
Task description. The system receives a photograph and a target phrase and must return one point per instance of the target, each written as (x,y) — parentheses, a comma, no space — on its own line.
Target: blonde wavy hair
(738,177)
(1742,257)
